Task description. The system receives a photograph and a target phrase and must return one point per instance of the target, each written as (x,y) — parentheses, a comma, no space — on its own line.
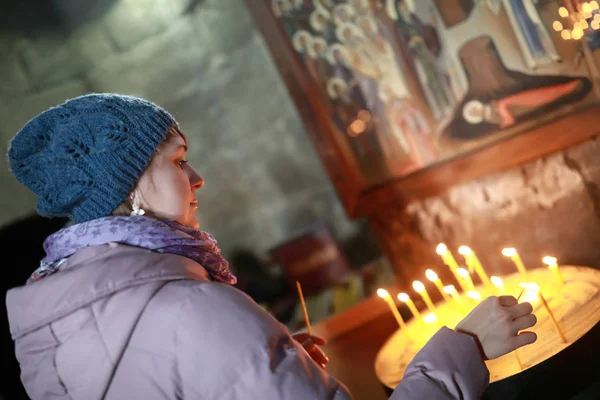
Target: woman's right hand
(496,323)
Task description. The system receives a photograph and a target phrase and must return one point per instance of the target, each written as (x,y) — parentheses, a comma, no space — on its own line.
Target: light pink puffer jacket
(120,322)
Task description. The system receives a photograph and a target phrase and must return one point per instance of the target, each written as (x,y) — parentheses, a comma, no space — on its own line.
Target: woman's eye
(181,163)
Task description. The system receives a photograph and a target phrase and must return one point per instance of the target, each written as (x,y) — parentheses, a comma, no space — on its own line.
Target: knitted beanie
(83,157)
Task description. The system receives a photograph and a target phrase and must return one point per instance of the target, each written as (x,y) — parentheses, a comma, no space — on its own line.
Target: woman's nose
(196,180)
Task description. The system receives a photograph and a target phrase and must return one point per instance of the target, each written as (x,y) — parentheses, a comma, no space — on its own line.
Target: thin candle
(403,297)
(388,299)
(464,274)
(560,332)
(474,264)
(514,256)
(433,277)
(449,260)
(451,290)
(304,311)
(552,264)
(518,360)
(420,288)
(533,287)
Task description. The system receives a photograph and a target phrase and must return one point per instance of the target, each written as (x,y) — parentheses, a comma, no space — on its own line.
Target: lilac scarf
(161,236)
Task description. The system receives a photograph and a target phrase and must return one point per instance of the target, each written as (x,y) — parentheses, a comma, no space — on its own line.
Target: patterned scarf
(162,236)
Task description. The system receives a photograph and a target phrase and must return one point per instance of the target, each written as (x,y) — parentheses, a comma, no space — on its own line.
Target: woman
(132,301)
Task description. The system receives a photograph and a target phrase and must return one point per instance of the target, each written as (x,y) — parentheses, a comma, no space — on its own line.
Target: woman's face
(166,189)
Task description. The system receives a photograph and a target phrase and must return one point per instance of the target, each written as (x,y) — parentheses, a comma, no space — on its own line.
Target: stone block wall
(207,64)
(547,207)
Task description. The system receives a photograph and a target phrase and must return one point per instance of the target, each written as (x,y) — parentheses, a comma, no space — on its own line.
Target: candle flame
(441,249)
(530,286)
(431,275)
(549,260)
(557,26)
(418,286)
(465,250)
(382,293)
(430,318)
(474,294)
(462,272)
(563,12)
(509,252)
(449,289)
(531,292)
(496,281)
(403,297)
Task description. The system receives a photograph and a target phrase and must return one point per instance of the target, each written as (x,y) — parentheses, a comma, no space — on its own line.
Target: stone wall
(548,207)
(206,63)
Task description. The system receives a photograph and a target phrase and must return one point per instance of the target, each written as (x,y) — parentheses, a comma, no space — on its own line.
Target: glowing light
(586,7)
(549,260)
(418,286)
(450,289)
(462,272)
(430,318)
(530,293)
(530,286)
(475,295)
(595,24)
(431,275)
(577,34)
(594,5)
(563,12)
(557,26)
(382,293)
(403,297)
(364,115)
(497,281)
(584,24)
(464,250)
(509,252)
(566,35)
(441,249)
(357,127)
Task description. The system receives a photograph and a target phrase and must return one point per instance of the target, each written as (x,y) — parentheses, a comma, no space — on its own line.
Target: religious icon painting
(396,87)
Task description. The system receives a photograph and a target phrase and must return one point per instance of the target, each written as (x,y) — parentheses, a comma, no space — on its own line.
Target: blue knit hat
(83,157)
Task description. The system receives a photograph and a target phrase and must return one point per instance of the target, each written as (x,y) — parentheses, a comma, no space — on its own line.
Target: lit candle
(529,292)
(474,264)
(560,332)
(451,290)
(403,297)
(388,299)
(449,260)
(420,288)
(464,274)
(497,281)
(551,262)
(433,277)
(514,256)
(533,287)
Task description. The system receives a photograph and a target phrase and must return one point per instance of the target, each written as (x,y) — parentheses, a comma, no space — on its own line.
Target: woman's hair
(125,209)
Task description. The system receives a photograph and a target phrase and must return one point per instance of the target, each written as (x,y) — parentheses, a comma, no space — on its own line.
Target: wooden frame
(549,133)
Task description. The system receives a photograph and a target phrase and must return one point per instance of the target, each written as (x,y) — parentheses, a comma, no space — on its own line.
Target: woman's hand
(496,323)
(311,345)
